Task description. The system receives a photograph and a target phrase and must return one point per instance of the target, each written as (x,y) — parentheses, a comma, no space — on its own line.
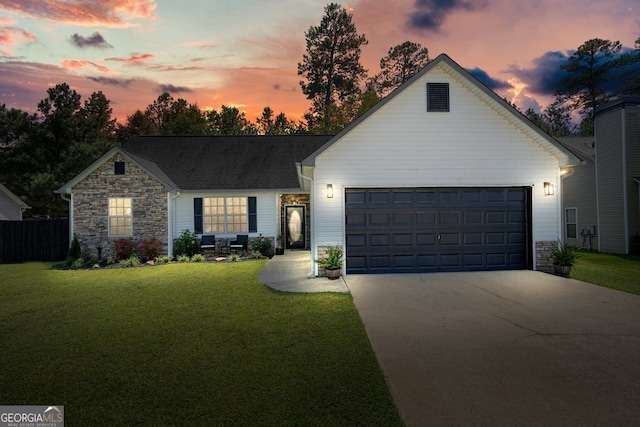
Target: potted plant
(564,256)
(332,262)
(280,247)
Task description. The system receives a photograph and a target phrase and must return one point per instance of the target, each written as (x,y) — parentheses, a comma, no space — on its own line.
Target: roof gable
(481,91)
(11,196)
(147,165)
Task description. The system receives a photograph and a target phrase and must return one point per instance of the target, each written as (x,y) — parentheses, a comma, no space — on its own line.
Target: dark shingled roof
(582,145)
(228,162)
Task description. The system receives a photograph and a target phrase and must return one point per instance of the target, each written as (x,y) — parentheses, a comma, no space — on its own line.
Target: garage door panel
(421,230)
(426,218)
(426,239)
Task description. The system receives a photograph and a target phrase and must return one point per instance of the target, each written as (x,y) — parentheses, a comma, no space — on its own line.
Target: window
(120,216)
(438,97)
(571,222)
(118,168)
(224,214)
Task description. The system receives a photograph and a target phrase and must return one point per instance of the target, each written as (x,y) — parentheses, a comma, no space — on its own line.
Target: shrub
(149,248)
(124,248)
(75,251)
(256,255)
(186,244)
(197,258)
(233,258)
(183,258)
(163,259)
(132,261)
(262,245)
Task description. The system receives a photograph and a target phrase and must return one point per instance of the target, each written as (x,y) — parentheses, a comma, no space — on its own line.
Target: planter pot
(333,274)
(562,270)
(279,251)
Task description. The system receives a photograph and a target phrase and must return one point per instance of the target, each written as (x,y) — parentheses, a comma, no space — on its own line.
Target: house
(601,198)
(441,175)
(157,187)
(11,207)
(579,207)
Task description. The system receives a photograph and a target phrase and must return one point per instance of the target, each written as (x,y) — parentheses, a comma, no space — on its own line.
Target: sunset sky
(244,53)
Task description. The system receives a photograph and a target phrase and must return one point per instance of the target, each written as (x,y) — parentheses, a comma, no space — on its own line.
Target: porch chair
(208,242)
(241,243)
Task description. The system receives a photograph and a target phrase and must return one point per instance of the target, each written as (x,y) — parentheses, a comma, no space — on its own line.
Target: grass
(185,344)
(612,271)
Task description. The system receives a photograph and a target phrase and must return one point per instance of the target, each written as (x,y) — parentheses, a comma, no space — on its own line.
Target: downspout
(312,215)
(170,220)
(70,202)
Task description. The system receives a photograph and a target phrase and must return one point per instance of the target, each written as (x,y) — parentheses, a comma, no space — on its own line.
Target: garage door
(395,230)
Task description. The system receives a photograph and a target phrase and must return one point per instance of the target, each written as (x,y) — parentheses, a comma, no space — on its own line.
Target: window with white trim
(571,222)
(120,216)
(224,214)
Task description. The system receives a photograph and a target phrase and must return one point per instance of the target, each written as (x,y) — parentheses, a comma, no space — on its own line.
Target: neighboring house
(11,207)
(157,187)
(617,136)
(580,212)
(601,200)
(441,175)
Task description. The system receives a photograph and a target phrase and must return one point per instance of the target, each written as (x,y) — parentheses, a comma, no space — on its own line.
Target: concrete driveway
(503,348)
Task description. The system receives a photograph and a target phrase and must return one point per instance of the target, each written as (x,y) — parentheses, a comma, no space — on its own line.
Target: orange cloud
(11,36)
(135,58)
(112,13)
(75,64)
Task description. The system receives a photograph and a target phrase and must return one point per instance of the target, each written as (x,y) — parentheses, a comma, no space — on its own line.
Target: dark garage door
(411,230)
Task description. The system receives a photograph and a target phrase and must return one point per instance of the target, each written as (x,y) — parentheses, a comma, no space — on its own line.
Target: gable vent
(438,97)
(118,168)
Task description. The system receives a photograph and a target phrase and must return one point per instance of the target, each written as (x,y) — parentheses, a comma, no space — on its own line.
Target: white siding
(401,145)
(267,207)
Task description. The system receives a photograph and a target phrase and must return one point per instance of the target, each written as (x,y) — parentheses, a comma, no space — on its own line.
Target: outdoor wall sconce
(329,191)
(549,189)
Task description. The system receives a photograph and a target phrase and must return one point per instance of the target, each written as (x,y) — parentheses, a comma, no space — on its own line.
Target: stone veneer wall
(543,255)
(91,202)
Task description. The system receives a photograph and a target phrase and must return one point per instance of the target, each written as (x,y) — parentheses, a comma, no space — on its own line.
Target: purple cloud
(94,40)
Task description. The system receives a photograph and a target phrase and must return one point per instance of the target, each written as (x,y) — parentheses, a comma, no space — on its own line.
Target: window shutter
(197,215)
(437,97)
(253,214)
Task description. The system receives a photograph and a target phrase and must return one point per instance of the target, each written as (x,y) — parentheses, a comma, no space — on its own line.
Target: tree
(280,125)
(584,86)
(340,116)
(165,116)
(630,65)
(229,121)
(401,63)
(554,120)
(331,65)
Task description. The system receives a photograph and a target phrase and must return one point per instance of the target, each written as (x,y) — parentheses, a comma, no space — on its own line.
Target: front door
(295,227)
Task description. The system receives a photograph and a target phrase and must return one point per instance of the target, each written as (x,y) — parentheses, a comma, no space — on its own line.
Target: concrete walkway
(288,273)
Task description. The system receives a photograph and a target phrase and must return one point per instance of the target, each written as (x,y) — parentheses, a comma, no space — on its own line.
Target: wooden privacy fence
(34,240)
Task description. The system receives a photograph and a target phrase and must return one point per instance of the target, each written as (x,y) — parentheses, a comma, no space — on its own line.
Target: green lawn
(612,271)
(185,344)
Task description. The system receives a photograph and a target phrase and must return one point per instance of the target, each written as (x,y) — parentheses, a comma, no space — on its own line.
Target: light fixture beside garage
(329,191)
(549,189)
